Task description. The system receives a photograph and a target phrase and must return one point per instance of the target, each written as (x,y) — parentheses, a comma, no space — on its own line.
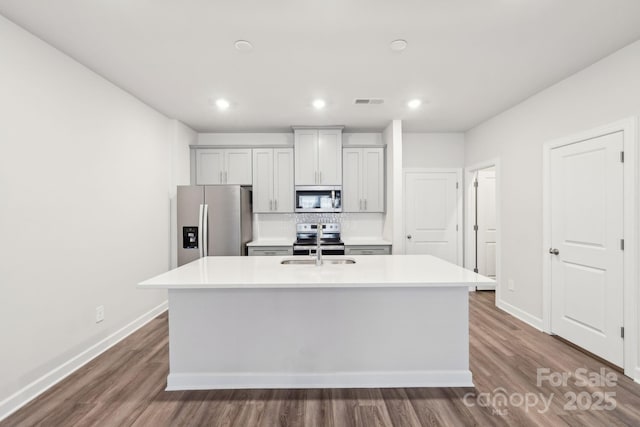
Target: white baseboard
(636,377)
(42,384)
(536,322)
(213,381)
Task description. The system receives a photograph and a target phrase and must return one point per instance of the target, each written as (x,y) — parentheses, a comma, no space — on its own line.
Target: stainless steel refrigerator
(212,221)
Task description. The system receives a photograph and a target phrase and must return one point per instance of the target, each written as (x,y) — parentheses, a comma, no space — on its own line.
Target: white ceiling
(467,59)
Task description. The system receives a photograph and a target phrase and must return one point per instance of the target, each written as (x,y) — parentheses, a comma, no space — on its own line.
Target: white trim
(240,380)
(469,219)
(631,217)
(519,314)
(20,398)
(459,204)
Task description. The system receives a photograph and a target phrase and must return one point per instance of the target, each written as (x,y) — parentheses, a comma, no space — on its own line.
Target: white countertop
(369,271)
(271,242)
(365,241)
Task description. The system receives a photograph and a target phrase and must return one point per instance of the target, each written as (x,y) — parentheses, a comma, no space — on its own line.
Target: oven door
(311,250)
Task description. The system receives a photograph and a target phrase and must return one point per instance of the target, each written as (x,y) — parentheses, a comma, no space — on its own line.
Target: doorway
(433,213)
(589,215)
(482,228)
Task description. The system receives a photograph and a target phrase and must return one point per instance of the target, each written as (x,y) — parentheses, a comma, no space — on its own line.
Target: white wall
(246,139)
(433,150)
(603,93)
(393,227)
(85,184)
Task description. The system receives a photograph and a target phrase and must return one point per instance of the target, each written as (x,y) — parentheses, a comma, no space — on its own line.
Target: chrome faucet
(318,244)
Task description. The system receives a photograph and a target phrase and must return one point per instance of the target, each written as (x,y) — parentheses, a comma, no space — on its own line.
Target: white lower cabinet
(273,180)
(367,250)
(270,250)
(363,180)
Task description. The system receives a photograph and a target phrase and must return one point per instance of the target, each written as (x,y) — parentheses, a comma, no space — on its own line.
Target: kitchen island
(252,322)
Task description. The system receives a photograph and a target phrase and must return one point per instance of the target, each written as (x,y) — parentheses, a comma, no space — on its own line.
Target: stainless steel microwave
(318,198)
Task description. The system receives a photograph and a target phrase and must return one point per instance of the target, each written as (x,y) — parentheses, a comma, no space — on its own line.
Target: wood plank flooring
(125,387)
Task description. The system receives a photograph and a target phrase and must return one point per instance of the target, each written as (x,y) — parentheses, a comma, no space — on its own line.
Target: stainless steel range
(306,239)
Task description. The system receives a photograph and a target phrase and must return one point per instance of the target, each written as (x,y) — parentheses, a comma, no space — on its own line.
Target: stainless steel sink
(312,261)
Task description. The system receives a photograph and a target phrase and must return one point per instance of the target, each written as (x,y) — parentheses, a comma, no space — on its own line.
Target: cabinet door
(209,166)
(373,179)
(330,157)
(263,180)
(283,180)
(238,166)
(306,147)
(351,180)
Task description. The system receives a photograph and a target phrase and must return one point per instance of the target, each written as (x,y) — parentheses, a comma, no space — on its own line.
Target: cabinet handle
(365,204)
(275,205)
(225,177)
(360,204)
(270,205)
(221,181)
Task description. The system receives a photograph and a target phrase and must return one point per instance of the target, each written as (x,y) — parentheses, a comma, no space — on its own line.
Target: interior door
(486,222)
(431,214)
(586,253)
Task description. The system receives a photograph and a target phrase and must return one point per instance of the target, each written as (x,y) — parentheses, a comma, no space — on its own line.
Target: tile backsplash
(354,225)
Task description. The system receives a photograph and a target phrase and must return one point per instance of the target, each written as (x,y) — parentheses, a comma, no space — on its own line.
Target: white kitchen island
(251,322)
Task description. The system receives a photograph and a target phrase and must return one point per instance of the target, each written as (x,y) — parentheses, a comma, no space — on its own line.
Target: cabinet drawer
(368,250)
(270,250)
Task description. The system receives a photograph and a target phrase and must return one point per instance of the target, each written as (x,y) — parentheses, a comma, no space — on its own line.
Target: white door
(431,214)
(238,166)
(351,180)
(486,222)
(586,231)
(283,180)
(209,166)
(262,180)
(373,179)
(306,152)
(330,157)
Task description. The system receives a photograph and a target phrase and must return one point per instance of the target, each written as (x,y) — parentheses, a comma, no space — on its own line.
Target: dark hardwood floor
(125,387)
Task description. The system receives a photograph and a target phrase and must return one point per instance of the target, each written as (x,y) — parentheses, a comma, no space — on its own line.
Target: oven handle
(323,247)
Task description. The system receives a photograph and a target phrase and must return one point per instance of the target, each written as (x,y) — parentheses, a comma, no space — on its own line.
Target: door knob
(409,236)
(554,251)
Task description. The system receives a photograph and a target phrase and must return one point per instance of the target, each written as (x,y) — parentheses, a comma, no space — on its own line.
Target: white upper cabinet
(272,180)
(318,156)
(223,166)
(363,180)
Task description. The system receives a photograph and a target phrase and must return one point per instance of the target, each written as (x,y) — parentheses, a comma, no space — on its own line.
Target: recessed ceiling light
(222,104)
(243,45)
(414,103)
(398,45)
(319,104)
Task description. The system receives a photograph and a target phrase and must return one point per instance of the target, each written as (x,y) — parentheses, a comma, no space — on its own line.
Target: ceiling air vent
(367,101)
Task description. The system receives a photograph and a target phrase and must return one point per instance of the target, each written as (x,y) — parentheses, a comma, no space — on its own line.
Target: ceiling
(466,59)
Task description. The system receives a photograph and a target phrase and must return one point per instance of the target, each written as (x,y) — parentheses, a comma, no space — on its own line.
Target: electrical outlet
(99,313)
(512,285)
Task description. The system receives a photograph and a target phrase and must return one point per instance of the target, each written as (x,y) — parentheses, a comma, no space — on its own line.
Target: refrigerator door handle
(200,232)
(206,230)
